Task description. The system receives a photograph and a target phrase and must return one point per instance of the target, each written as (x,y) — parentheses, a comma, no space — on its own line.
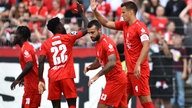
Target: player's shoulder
(140,23)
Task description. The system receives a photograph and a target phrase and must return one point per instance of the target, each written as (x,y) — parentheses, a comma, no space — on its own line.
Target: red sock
(148,105)
(72,106)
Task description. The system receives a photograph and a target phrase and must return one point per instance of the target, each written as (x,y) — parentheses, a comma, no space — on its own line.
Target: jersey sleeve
(119,25)
(142,29)
(75,35)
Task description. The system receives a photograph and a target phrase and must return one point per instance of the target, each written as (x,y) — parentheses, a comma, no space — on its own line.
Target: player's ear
(100,30)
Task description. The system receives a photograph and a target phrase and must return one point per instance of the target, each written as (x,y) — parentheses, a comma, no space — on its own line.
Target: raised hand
(80,8)
(93,5)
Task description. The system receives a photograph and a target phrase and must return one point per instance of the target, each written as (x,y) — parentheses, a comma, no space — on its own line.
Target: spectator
(169,33)
(50,6)
(114,6)
(4,9)
(157,22)
(71,13)
(35,41)
(150,6)
(161,76)
(38,14)
(172,11)
(6,34)
(57,10)
(19,14)
(187,20)
(189,80)
(154,47)
(104,8)
(120,37)
(74,24)
(113,35)
(180,71)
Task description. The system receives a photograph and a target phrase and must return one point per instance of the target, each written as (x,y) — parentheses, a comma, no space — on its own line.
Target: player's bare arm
(101,19)
(26,70)
(41,86)
(142,57)
(92,66)
(110,65)
(85,20)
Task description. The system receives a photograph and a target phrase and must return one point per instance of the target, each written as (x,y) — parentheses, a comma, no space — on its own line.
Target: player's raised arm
(101,19)
(85,20)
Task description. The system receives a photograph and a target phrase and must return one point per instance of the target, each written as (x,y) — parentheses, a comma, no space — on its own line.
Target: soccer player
(114,93)
(28,61)
(58,50)
(136,42)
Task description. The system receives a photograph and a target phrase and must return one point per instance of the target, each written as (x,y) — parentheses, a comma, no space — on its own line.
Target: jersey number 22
(57,56)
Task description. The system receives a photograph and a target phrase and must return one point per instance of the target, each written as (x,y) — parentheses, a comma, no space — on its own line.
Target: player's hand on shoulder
(41,87)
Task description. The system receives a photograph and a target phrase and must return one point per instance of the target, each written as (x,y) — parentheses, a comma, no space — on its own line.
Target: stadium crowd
(169,23)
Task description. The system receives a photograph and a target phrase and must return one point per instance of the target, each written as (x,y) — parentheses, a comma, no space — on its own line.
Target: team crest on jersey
(73,33)
(143,30)
(26,53)
(111,48)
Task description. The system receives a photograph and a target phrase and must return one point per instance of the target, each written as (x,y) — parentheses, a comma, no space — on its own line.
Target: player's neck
(21,43)
(132,20)
(100,38)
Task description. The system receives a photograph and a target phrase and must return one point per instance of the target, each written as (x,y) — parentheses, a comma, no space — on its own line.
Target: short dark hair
(24,31)
(130,5)
(94,22)
(52,24)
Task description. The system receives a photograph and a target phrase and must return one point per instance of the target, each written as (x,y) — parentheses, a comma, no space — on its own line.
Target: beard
(96,38)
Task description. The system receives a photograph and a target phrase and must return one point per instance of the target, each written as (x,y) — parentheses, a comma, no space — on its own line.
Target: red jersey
(58,50)
(105,48)
(133,44)
(31,80)
(159,24)
(104,8)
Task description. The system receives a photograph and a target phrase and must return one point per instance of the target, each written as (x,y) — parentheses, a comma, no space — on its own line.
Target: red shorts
(138,87)
(31,100)
(114,95)
(65,86)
